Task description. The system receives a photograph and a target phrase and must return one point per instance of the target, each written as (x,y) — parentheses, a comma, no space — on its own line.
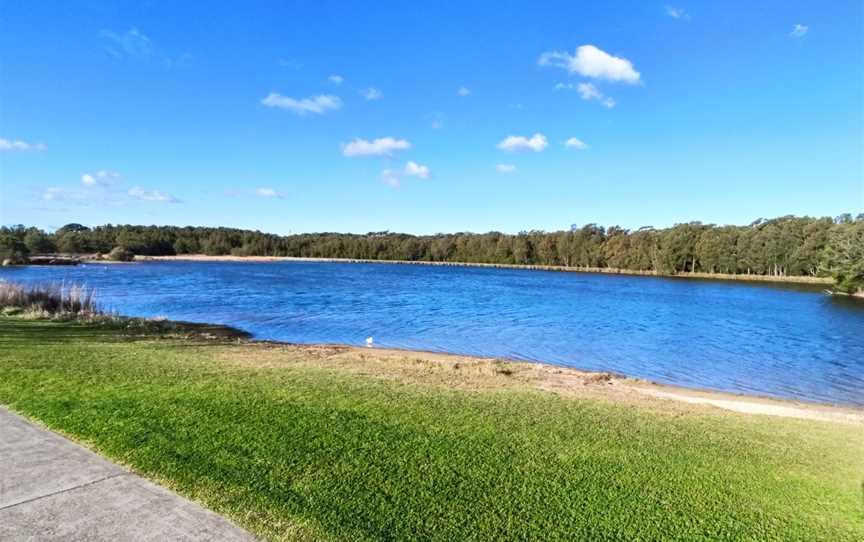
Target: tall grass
(54,299)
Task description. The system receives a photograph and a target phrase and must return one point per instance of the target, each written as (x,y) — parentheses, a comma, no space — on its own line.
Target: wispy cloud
(316,104)
(463,91)
(138,193)
(18,145)
(436,120)
(100,178)
(267,192)
(799,30)
(102,188)
(371,94)
(676,13)
(505,168)
(535,143)
(136,46)
(413,169)
(383,146)
(590,61)
(391,178)
(336,79)
(62,194)
(574,143)
(56,198)
(587,91)
(289,63)
(132,44)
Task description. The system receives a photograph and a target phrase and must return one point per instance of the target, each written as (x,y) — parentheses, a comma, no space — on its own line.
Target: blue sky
(429,116)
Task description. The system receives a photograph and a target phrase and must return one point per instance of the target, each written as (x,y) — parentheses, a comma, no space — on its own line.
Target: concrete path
(54,489)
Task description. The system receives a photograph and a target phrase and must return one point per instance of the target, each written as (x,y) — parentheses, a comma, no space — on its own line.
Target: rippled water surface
(769,340)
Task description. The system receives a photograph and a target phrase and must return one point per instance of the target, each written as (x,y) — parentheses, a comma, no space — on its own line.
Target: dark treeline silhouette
(779,247)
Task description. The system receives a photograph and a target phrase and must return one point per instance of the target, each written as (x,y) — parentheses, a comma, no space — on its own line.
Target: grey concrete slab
(35,462)
(54,489)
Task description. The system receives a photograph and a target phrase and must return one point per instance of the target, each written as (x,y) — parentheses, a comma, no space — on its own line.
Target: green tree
(677,249)
(38,242)
(716,250)
(12,249)
(844,256)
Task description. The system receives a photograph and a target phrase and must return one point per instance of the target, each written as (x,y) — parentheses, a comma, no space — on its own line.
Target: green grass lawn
(303,450)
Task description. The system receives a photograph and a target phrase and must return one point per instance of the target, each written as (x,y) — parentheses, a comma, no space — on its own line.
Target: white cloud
(416,170)
(336,79)
(505,168)
(799,30)
(574,143)
(535,143)
(676,13)
(136,192)
(383,146)
(99,188)
(102,177)
(593,62)
(372,94)
(131,43)
(587,91)
(390,178)
(393,177)
(18,145)
(265,192)
(463,91)
(315,104)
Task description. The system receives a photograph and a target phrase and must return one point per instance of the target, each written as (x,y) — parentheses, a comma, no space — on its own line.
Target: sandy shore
(559,268)
(452,370)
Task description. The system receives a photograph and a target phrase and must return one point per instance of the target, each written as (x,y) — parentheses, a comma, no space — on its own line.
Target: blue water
(739,337)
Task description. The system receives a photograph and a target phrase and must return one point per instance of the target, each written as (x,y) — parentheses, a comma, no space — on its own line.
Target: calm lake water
(740,337)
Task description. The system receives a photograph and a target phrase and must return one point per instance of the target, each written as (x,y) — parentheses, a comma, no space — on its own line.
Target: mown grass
(300,451)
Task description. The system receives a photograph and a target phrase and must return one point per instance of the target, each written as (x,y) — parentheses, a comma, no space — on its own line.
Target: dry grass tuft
(48,300)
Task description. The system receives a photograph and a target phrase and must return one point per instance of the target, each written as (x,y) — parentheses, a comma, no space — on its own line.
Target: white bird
(369,342)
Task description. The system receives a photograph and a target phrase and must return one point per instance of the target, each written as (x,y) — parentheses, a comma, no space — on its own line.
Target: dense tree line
(784,246)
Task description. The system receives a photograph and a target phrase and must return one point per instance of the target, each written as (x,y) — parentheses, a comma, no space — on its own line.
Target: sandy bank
(559,268)
(457,371)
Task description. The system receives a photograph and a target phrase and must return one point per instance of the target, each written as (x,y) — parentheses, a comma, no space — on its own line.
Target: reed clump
(49,300)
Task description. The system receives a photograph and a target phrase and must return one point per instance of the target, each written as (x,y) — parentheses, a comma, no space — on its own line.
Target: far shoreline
(557,268)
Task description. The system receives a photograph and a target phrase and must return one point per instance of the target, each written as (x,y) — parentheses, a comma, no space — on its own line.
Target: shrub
(121,254)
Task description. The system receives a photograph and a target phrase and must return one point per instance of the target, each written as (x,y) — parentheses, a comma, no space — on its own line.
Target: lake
(781,341)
